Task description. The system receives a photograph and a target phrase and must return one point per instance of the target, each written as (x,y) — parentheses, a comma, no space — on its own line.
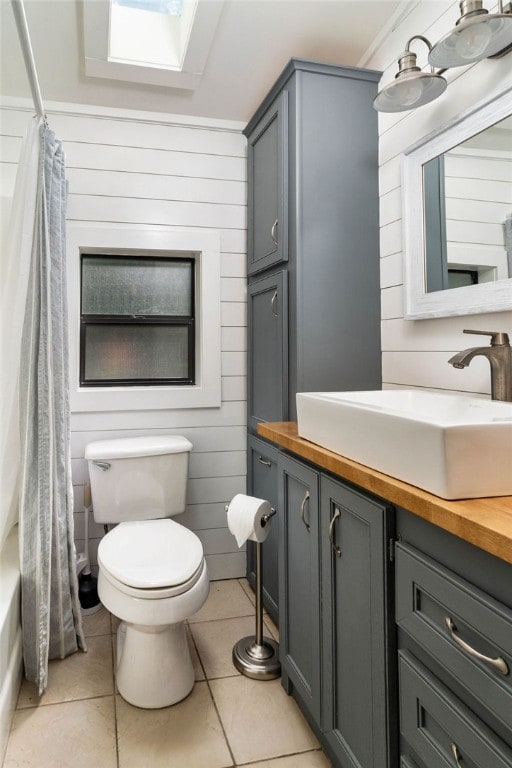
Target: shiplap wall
(415,353)
(137,169)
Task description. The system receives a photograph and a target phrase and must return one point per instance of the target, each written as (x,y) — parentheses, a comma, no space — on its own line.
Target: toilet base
(154,668)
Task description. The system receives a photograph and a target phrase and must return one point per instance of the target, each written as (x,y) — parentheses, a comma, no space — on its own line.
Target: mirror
(457,207)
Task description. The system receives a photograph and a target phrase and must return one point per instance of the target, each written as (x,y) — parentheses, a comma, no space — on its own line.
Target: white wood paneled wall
(415,352)
(143,169)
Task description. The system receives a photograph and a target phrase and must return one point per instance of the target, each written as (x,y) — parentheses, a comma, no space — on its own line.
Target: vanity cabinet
(262,483)
(313,311)
(336,628)
(267,349)
(313,210)
(267,199)
(299,582)
(454,618)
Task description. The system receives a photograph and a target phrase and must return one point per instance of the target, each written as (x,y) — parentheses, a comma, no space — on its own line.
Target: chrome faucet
(499,355)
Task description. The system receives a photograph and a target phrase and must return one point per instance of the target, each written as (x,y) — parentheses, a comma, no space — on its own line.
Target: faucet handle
(497,337)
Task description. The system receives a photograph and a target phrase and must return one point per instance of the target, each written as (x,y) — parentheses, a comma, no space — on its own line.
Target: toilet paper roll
(245,515)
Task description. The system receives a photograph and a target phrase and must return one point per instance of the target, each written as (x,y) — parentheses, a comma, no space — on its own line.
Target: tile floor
(228,719)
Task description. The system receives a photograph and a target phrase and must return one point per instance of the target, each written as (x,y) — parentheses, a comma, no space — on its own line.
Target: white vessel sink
(455,446)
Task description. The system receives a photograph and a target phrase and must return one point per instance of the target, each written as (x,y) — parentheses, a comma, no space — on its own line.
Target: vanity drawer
(429,596)
(441,729)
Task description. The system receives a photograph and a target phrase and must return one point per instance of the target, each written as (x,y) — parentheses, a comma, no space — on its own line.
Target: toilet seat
(151,558)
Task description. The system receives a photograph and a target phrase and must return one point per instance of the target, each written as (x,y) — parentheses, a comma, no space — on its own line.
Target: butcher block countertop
(486,523)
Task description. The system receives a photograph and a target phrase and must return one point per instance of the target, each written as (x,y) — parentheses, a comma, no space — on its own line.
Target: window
(137,320)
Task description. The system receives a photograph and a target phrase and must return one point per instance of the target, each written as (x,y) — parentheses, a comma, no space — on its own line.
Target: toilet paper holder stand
(257,656)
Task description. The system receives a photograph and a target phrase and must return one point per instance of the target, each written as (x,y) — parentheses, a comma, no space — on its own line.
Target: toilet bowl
(152,571)
(147,582)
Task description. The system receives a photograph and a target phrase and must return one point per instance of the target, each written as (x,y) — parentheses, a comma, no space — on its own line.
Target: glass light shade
(474,38)
(410,90)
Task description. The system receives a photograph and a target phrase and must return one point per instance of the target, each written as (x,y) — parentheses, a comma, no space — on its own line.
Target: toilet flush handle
(104,465)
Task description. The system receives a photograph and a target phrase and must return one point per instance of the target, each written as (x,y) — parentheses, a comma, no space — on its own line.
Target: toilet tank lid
(129,447)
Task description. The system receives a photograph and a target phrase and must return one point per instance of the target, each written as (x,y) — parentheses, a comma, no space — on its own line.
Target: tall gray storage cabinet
(313,248)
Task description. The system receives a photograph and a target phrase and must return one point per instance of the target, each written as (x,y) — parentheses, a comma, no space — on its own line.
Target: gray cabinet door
(299,583)
(267,331)
(262,483)
(354,536)
(267,203)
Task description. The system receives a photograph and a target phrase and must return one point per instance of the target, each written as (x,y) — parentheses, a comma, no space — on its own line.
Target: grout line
(206,680)
(113,638)
(39,705)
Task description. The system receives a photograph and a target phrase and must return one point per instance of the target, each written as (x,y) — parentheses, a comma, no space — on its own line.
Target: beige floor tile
(260,720)
(244,583)
(97,623)
(186,735)
(303,760)
(80,734)
(271,626)
(226,600)
(215,641)
(80,676)
(114,623)
(198,670)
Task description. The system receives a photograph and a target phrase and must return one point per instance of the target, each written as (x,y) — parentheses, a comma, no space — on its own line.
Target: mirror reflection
(467,209)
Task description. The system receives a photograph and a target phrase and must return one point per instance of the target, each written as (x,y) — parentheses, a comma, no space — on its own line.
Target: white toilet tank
(138,478)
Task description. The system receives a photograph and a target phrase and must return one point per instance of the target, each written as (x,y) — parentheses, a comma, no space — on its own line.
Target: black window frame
(187,321)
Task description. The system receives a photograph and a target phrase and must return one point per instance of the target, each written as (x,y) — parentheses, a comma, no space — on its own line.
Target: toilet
(152,571)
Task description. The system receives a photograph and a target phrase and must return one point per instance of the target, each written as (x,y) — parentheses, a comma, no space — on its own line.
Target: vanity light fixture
(411,87)
(477,35)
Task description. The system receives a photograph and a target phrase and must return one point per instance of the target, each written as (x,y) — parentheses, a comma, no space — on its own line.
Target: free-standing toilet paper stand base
(257,656)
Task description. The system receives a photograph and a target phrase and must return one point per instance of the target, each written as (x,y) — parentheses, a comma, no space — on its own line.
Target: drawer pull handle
(273,232)
(456,754)
(335,547)
(499,663)
(302,506)
(265,462)
(273,304)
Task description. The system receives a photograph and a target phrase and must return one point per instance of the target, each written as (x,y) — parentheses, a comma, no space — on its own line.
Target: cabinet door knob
(302,506)
(337,513)
(265,462)
(273,304)
(498,663)
(273,232)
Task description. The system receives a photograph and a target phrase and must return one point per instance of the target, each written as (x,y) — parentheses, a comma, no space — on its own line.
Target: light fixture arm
(410,53)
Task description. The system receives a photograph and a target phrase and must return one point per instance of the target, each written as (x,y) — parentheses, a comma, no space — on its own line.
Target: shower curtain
(15,271)
(51,620)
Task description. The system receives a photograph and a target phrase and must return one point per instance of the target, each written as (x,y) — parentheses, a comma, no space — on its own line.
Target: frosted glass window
(137,320)
(115,285)
(123,352)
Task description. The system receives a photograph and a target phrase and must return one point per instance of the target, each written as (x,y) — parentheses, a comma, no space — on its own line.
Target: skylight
(158,42)
(169,7)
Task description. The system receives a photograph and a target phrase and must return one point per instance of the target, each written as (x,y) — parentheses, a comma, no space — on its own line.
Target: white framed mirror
(457,215)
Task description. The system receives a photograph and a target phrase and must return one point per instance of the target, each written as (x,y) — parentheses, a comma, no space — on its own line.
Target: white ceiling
(253,42)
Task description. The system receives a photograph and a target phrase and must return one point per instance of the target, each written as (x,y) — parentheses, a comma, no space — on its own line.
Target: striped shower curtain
(51,620)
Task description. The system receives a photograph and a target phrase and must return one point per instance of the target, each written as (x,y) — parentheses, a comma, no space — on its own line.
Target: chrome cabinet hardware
(273,232)
(499,663)
(337,513)
(273,304)
(302,506)
(104,465)
(456,754)
(265,462)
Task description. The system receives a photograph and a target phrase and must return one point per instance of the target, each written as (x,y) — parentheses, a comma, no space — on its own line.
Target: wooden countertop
(486,523)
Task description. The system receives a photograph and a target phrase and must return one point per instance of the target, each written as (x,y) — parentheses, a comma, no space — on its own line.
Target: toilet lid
(151,554)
